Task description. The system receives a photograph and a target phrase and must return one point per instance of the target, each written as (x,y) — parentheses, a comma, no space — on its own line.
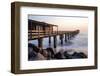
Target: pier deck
(35,35)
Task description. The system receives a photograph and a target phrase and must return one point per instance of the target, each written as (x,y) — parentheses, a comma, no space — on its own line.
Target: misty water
(79,44)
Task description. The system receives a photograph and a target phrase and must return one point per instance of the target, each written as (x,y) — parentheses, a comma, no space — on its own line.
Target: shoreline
(51,54)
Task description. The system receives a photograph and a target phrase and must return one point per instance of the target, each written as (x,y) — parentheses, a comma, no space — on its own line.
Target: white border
(25,64)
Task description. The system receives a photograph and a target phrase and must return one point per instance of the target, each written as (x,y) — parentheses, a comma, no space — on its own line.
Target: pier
(39,30)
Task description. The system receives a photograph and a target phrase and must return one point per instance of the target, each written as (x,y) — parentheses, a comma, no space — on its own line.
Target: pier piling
(65,37)
(49,40)
(40,42)
(61,38)
(55,41)
(68,36)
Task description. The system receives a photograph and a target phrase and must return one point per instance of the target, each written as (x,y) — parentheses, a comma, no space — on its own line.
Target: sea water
(79,43)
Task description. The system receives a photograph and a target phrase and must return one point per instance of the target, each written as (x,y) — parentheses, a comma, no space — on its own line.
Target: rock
(44,53)
(50,53)
(79,55)
(68,56)
(40,57)
(50,50)
(75,55)
(59,55)
(35,48)
(82,55)
(34,53)
(31,53)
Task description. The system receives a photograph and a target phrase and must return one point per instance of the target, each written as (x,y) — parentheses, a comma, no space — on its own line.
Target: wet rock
(75,55)
(40,57)
(44,53)
(31,53)
(35,48)
(59,55)
(78,55)
(34,53)
(82,55)
(67,56)
(50,53)
(50,50)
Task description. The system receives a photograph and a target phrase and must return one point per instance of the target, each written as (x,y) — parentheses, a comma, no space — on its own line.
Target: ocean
(79,44)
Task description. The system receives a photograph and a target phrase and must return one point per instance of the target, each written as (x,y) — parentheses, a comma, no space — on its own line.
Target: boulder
(82,55)
(50,53)
(78,55)
(32,52)
(59,55)
(35,48)
(67,56)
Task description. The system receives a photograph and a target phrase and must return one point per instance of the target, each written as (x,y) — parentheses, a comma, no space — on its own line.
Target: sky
(65,23)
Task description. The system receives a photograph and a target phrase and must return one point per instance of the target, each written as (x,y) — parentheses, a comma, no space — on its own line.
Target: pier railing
(66,35)
(35,35)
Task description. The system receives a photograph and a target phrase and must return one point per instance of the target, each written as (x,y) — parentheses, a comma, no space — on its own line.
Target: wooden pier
(39,30)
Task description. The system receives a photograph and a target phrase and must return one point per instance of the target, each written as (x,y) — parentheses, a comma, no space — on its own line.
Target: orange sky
(64,23)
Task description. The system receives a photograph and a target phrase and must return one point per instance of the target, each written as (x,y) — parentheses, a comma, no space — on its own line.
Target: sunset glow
(64,23)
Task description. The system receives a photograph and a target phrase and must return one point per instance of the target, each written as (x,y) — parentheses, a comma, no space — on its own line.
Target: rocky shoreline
(34,53)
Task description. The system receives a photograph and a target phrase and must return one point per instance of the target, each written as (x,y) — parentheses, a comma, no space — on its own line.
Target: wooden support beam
(37,27)
(69,36)
(72,34)
(31,30)
(57,29)
(61,38)
(49,40)
(40,43)
(65,37)
(55,41)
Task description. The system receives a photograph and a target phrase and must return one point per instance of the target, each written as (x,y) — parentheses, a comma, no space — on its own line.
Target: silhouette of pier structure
(39,30)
